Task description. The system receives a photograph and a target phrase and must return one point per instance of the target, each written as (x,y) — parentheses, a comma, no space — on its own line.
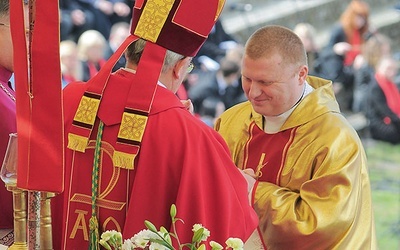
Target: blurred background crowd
(359,57)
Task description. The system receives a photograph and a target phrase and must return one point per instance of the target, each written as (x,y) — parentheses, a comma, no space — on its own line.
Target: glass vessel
(8,171)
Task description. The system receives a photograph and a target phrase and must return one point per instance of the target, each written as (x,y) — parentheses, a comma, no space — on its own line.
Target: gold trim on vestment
(86,199)
(124,160)
(77,142)
(87,110)
(221,4)
(132,127)
(153,18)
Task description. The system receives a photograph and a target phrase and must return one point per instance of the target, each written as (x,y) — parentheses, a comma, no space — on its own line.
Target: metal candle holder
(37,234)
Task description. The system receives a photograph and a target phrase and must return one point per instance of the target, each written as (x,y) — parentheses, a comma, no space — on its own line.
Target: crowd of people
(78,16)
(348,59)
(309,190)
(351,60)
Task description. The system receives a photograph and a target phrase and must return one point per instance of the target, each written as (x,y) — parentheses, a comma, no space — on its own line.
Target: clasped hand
(250,177)
(188,105)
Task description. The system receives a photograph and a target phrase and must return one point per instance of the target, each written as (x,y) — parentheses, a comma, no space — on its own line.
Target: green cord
(93,222)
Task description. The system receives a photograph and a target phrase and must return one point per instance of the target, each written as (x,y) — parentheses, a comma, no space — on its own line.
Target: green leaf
(161,242)
(166,235)
(187,245)
(150,226)
(202,247)
(163,230)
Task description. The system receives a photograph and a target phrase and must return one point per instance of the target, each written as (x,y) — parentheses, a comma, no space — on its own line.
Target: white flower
(105,244)
(234,243)
(156,246)
(206,233)
(142,238)
(215,245)
(128,245)
(153,239)
(111,238)
(107,235)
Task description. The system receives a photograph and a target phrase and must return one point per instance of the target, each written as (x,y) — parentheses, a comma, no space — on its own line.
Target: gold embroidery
(111,219)
(284,156)
(76,142)
(124,160)
(80,223)
(221,4)
(108,150)
(251,126)
(152,20)
(132,127)
(86,199)
(87,110)
(260,166)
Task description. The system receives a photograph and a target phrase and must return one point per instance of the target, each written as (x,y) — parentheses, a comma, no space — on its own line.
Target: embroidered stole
(137,108)
(269,151)
(38,94)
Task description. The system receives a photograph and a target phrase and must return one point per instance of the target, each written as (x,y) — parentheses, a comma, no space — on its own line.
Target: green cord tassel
(93,222)
(94,233)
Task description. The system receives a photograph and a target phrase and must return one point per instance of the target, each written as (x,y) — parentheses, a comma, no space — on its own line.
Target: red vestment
(268,166)
(181,161)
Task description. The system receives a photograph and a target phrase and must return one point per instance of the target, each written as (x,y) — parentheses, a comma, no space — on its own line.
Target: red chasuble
(181,161)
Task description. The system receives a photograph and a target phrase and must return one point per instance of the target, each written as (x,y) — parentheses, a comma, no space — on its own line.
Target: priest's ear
(180,68)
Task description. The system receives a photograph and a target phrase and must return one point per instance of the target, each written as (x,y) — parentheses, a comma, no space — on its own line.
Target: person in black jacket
(383,110)
(75,19)
(119,31)
(216,45)
(374,49)
(223,85)
(346,40)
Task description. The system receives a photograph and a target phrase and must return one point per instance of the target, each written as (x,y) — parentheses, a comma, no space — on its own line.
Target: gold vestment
(322,196)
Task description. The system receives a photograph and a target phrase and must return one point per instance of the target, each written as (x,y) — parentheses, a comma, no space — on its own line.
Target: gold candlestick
(46,239)
(20,224)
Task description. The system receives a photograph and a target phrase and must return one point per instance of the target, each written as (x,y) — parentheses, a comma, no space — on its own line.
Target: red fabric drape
(38,89)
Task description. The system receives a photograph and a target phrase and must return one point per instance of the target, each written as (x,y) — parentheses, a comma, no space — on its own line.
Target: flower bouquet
(154,239)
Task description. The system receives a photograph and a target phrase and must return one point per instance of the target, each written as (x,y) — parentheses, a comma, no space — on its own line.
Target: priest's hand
(188,105)
(250,177)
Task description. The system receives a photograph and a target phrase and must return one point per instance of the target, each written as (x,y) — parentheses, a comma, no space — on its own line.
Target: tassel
(77,143)
(124,160)
(94,233)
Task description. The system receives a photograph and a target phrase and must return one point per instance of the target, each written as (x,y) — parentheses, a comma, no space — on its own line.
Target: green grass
(384,170)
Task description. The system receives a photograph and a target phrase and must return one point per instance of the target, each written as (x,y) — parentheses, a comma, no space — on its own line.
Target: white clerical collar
(134,72)
(130,70)
(273,124)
